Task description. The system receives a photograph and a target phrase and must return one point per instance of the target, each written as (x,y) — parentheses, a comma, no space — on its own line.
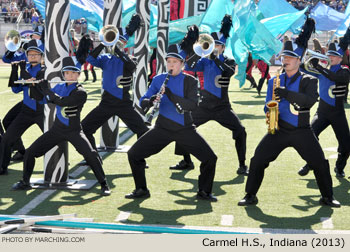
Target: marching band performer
(117,72)
(215,103)
(178,95)
(69,99)
(31,111)
(264,70)
(333,85)
(18,56)
(85,47)
(296,95)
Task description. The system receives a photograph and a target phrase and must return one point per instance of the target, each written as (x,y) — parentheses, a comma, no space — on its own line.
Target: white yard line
(35,202)
(226,220)
(327,223)
(45,194)
(123,216)
(4,92)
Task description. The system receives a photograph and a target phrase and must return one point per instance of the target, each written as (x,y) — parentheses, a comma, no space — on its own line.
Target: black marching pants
(8,119)
(99,115)
(157,138)
(340,127)
(227,118)
(308,147)
(53,137)
(16,129)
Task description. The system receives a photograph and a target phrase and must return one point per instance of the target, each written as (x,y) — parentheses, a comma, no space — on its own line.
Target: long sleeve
(95,52)
(226,66)
(129,64)
(308,95)
(13,76)
(77,98)
(198,66)
(342,76)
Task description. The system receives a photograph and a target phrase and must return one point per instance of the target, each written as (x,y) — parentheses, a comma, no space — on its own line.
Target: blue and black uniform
(117,79)
(174,123)
(10,57)
(29,113)
(215,104)
(69,101)
(333,86)
(300,94)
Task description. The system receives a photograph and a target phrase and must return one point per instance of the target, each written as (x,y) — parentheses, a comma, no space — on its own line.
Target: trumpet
(205,45)
(109,35)
(324,61)
(273,106)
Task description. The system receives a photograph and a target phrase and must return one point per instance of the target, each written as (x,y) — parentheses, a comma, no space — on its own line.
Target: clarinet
(157,103)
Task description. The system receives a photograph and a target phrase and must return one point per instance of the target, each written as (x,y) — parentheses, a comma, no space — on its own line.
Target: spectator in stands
(5,13)
(35,20)
(26,16)
(14,11)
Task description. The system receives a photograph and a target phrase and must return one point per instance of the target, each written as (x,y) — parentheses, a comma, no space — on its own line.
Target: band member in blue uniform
(296,95)
(215,103)
(333,86)
(174,123)
(117,69)
(31,111)
(69,99)
(13,58)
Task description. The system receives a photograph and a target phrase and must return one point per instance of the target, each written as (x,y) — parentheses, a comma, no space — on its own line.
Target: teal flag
(345,24)
(249,35)
(343,27)
(177,30)
(273,8)
(216,11)
(278,25)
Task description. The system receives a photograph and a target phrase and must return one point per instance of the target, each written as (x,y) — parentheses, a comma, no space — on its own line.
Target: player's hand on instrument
(214,54)
(281,93)
(154,99)
(314,62)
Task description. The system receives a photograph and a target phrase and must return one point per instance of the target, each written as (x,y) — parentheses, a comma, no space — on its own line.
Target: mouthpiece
(170,71)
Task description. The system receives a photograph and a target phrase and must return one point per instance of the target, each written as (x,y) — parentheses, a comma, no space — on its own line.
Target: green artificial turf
(286,200)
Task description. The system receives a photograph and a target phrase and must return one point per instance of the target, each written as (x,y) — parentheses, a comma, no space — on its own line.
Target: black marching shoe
(249,199)
(202,195)
(183,165)
(105,191)
(242,170)
(332,202)
(304,170)
(93,75)
(17,156)
(86,73)
(339,173)
(21,185)
(138,193)
(4,172)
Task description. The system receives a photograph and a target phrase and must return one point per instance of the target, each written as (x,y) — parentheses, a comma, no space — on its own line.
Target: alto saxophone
(273,107)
